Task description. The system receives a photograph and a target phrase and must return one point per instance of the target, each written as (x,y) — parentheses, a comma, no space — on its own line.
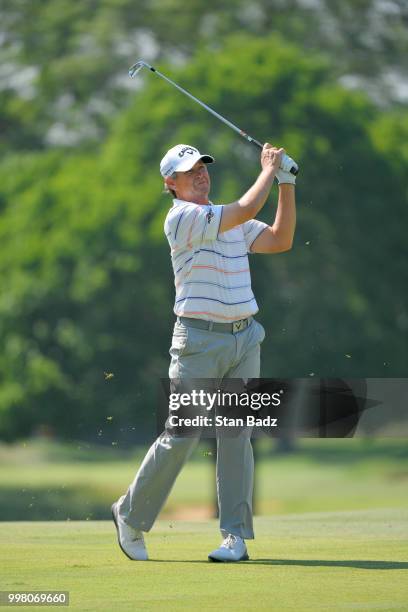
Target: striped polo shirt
(211,270)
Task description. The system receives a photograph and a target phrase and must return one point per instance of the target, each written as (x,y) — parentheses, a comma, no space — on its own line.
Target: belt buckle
(238,326)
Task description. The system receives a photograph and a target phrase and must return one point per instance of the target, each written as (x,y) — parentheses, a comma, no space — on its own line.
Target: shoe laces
(138,538)
(230,541)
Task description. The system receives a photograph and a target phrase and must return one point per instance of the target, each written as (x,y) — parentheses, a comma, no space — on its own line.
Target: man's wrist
(269,173)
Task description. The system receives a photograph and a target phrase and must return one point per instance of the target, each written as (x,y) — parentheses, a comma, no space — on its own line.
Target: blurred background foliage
(46,480)
(63,71)
(86,282)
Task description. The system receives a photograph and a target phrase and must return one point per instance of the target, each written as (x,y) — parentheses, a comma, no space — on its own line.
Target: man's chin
(203,190)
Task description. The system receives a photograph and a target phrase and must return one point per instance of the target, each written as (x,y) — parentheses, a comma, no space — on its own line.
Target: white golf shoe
(130,540)
(232,549)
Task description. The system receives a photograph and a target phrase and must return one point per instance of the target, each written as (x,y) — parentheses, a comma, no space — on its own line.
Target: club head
(133,70)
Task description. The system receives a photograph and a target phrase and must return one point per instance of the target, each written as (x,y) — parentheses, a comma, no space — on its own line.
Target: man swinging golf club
(215,335)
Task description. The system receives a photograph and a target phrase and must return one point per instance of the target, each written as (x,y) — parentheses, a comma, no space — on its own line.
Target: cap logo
(169,171)
(188,150)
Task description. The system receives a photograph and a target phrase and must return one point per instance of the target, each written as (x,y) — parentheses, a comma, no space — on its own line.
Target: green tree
(64,63)
(85,270)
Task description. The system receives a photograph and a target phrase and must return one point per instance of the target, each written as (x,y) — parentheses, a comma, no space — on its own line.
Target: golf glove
(284,175)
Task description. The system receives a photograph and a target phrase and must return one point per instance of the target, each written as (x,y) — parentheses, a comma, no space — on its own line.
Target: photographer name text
(222,421)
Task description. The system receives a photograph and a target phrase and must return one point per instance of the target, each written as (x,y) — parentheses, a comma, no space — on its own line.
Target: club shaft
(134,69)
(209,109)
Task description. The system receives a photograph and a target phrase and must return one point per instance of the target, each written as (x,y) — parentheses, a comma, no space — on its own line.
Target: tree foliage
(87,288)
(64,63)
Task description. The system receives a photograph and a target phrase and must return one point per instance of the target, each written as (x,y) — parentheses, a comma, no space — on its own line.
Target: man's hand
(283,174)
(271,157)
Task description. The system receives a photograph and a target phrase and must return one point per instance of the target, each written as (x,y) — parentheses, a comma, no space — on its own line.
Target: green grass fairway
(314,561)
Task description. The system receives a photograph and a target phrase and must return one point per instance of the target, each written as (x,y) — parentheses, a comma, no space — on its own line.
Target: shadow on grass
(367,565)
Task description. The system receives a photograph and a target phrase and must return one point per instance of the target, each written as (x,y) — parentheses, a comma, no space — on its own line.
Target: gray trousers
(196,354)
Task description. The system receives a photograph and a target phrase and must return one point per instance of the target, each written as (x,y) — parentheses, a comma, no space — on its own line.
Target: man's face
(193,185)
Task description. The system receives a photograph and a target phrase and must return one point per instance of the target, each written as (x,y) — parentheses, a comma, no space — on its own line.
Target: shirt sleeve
(252,229)
(191,225)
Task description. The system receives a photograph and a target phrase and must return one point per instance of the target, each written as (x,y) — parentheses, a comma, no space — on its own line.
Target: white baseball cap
(182,158)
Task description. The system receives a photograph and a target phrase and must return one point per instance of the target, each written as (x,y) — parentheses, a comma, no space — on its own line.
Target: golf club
(133,70)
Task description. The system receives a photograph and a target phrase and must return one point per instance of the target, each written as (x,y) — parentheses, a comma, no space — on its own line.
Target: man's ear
(170,183)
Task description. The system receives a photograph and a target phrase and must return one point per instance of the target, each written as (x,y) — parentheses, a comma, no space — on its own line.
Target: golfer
(215,335)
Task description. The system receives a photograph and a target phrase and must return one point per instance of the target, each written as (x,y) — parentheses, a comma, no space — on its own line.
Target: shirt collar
(177,202)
